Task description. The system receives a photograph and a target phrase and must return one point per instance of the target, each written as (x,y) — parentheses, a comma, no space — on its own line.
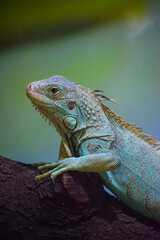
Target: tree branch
(73,206)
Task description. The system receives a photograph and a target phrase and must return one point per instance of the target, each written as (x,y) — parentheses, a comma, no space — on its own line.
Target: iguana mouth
(35,98)
(38,104)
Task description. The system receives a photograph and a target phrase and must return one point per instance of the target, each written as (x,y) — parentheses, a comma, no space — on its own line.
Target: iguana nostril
(29,87)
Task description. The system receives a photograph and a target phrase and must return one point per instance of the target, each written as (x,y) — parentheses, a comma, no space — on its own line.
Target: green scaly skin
(94,139)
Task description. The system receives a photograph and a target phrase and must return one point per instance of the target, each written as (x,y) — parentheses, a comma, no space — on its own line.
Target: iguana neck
(91,120)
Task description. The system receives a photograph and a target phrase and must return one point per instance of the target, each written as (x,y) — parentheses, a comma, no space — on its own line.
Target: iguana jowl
(94,139)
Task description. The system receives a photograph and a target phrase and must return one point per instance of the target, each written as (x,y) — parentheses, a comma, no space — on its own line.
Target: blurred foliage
(23,20)
(106,57)
(121,57)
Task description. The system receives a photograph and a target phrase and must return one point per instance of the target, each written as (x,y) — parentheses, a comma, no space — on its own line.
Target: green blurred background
(112,45)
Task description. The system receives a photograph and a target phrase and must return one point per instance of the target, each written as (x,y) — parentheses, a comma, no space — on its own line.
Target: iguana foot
(57,168)
(47,166)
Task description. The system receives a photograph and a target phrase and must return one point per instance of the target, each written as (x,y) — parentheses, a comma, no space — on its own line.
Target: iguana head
(68,106)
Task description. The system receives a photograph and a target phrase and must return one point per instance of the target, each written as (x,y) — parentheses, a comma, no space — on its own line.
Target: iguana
(95,139)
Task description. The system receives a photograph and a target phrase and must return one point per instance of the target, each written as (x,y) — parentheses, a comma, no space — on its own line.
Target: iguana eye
(54,90)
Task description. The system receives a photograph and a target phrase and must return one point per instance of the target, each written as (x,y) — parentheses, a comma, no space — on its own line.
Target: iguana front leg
(99,162)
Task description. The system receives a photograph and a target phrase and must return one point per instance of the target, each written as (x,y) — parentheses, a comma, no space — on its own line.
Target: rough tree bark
(74,206)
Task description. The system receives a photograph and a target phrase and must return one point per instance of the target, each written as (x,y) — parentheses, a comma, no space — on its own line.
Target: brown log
(73,206)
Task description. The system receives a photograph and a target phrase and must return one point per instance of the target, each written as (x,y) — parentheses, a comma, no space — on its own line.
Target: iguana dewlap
(94,139)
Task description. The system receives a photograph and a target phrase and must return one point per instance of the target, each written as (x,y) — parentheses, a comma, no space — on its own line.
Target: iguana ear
(70,122)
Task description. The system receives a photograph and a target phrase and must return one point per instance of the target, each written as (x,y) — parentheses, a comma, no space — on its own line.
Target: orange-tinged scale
(143,135)
(151,140)
(133,128)
(130,125)
(138,131)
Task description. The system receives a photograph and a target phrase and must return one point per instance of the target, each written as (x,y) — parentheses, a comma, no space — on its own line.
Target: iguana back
(137,181)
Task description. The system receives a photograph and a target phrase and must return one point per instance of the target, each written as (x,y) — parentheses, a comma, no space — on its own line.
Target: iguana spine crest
(131,128)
